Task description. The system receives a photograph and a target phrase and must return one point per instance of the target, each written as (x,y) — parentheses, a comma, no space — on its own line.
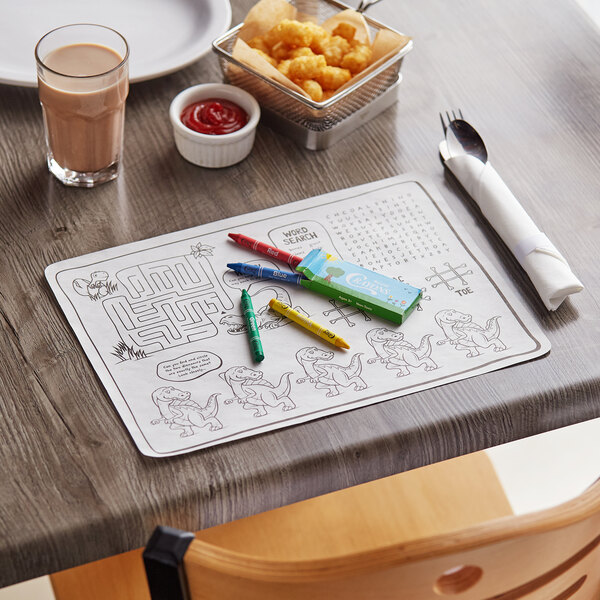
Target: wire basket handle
(364,5)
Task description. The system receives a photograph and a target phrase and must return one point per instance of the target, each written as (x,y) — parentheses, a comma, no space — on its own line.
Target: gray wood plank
(75,489)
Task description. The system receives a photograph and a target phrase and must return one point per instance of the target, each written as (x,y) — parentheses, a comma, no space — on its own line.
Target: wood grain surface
(74,488)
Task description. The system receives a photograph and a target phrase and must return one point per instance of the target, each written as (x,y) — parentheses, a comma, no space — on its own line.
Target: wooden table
(74,487)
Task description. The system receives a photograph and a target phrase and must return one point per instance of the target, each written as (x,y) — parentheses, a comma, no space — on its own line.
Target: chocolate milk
(83,96)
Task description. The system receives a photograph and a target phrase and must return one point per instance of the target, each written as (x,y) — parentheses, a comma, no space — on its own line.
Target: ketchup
(214,116)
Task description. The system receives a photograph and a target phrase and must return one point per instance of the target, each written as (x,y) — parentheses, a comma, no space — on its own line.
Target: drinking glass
(83,82)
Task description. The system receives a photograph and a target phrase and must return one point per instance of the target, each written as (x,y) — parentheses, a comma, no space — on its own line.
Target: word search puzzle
(162,324)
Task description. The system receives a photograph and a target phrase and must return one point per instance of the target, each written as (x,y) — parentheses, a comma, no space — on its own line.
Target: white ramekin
(214,151)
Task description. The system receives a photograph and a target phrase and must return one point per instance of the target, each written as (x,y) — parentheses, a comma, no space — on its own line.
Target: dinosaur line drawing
(462,333)
(330,376)
(180,412)
(397,353)
(97,286)
(251,390)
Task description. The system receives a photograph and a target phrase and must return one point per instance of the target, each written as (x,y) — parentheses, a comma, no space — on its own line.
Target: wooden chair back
(548,555)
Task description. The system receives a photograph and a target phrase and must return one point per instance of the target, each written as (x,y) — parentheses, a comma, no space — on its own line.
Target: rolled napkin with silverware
(465,155)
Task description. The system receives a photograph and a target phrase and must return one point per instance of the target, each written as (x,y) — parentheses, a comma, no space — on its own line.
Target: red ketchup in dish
(214,116)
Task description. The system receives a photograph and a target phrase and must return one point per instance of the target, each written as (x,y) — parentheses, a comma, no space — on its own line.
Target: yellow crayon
(294,315)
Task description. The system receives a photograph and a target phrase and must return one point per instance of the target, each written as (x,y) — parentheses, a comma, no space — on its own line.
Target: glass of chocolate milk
(83,83)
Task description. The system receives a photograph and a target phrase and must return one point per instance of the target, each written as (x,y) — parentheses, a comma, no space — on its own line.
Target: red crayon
(282,255)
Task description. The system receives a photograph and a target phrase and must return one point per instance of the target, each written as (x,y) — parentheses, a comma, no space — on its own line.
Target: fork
(450,119)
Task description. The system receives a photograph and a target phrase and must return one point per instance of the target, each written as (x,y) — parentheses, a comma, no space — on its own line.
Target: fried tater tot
(271,37)
(284,67)
(331,78)
(320,37)
(335,50)
(345,30)
(318,61)
(307,67)
(357,59)
(280,51)
(304,51)
(294,33)
(258,43)
(268,58)
(313,89)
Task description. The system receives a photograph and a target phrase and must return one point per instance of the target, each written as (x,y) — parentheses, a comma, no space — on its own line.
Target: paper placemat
(160,320)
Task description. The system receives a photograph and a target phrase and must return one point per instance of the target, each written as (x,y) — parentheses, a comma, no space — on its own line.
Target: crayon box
(370,291)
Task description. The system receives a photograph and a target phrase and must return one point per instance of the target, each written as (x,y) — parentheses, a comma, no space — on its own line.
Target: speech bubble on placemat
(189,366)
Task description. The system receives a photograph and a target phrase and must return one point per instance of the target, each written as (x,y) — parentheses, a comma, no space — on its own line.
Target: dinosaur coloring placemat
(161,321)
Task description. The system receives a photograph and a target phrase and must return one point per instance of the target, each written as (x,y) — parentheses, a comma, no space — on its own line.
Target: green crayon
(252,327)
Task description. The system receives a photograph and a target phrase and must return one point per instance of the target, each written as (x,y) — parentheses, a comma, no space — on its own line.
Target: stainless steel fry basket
(289,106)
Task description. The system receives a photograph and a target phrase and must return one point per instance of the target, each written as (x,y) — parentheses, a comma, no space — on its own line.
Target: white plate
(163,35)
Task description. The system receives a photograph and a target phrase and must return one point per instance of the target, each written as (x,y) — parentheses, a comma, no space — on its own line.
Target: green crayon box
(370,291)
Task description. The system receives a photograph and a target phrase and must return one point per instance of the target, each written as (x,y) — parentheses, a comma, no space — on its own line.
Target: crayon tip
(340,343)
(271,302)
(233,236)
(259,357)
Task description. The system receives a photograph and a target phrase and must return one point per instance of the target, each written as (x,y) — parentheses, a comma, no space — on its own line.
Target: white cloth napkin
(545,265)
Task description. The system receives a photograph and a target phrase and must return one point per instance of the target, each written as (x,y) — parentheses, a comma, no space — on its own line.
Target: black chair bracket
(163,560)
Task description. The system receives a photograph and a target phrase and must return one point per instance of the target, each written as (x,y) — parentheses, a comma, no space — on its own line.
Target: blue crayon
(258,271)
